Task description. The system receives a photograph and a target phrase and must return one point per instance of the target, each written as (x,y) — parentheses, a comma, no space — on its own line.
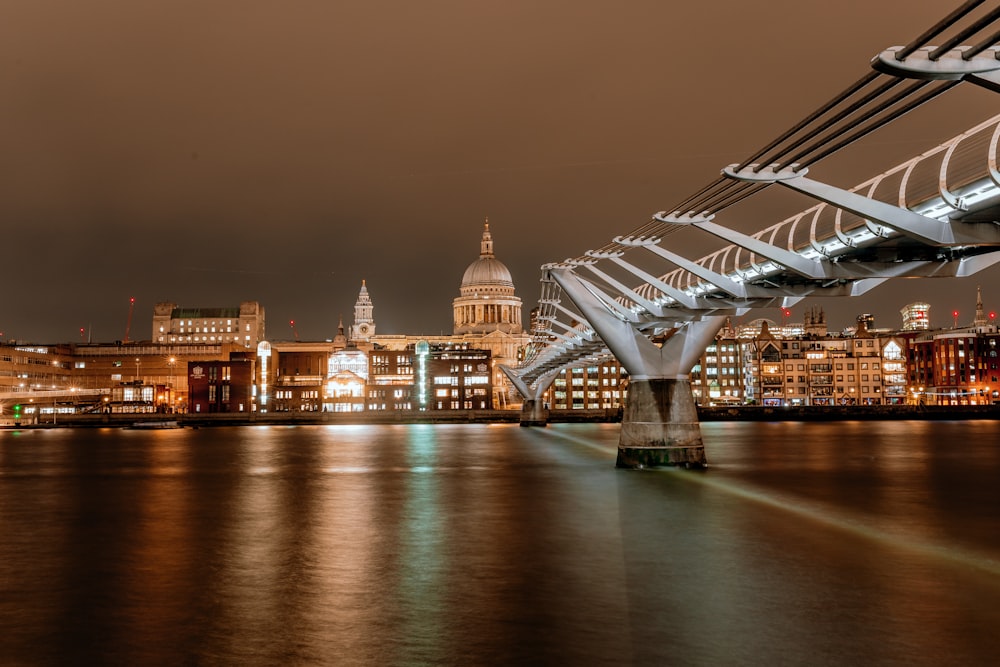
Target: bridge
(656,310)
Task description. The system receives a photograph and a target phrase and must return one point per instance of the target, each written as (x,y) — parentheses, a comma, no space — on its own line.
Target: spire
(486,247)
(340,340)
(980,315)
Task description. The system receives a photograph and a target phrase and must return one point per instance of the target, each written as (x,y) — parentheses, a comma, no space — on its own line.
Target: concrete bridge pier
(660,426)
(534,413)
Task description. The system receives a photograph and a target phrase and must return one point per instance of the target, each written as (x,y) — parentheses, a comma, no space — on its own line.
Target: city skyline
(207,155)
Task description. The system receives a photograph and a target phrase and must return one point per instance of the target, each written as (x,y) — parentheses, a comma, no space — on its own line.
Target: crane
(128,324)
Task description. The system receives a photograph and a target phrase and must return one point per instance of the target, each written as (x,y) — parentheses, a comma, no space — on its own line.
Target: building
(487,316)
(222,386)
(298,375)
(243,326)
(717,378)
(597,386)
(346,380)
(486,301)
(916,316)
(956,366)
(430,377)
(862,368)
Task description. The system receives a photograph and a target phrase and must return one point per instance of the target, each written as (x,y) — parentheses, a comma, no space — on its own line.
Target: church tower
(980,320)
(364,323)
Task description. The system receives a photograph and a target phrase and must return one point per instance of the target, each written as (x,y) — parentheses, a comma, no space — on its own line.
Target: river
(866,543)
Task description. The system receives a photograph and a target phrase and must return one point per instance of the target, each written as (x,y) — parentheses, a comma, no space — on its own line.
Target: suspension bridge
(655,310)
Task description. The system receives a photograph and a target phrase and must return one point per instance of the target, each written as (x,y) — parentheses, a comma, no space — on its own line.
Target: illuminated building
(957,366)
(598,386)
(864,368)
(916,316)
(242,326)
(717,378)
(430,377)
(364,319)
(487,302)
(221,386)
(299,375)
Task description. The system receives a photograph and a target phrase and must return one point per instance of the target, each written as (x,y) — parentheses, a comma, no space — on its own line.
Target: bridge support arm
(788,259)
(632,348)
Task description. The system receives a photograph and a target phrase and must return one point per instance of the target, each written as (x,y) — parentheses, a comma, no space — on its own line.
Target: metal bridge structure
(656,310)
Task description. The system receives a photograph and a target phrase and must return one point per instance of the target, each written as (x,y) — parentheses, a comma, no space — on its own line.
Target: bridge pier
(534,413)
(660,426)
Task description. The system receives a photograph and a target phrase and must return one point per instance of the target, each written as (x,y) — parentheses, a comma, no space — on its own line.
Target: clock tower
(364,323)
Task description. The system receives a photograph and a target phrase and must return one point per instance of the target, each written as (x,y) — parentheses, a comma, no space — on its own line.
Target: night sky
(209,152)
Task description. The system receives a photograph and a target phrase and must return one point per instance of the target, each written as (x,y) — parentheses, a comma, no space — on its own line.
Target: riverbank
(740,413)
(850,413)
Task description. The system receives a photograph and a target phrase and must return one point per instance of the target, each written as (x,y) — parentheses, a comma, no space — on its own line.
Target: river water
(837,543)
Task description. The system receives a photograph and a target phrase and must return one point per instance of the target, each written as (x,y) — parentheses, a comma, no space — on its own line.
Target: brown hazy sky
(209,152)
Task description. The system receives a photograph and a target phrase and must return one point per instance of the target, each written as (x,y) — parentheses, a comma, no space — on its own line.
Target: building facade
(222,386)
(243,326)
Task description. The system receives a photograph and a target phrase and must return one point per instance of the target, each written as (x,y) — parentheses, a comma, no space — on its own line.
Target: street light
(170,389)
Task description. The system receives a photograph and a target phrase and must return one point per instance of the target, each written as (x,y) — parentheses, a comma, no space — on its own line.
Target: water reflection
(467,544)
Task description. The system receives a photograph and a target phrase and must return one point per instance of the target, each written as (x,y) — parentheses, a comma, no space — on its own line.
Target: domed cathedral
(488,316)
(487,302)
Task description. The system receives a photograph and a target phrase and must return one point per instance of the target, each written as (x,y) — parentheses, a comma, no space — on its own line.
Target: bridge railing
(945,180)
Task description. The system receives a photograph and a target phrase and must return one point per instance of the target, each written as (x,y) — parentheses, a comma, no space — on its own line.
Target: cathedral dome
(489,272)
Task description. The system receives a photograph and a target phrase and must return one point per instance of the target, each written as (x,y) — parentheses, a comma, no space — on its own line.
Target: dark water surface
(803,544)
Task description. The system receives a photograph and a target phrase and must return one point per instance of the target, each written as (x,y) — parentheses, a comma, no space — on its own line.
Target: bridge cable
(986,20)
(845,94)
(839,116)
(938,28)
(861,132)
(974,51)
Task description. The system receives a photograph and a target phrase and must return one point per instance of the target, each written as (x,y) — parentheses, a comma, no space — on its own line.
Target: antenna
(295,331)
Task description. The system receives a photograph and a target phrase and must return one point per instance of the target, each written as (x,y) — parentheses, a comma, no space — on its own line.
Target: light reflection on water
(470,544)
